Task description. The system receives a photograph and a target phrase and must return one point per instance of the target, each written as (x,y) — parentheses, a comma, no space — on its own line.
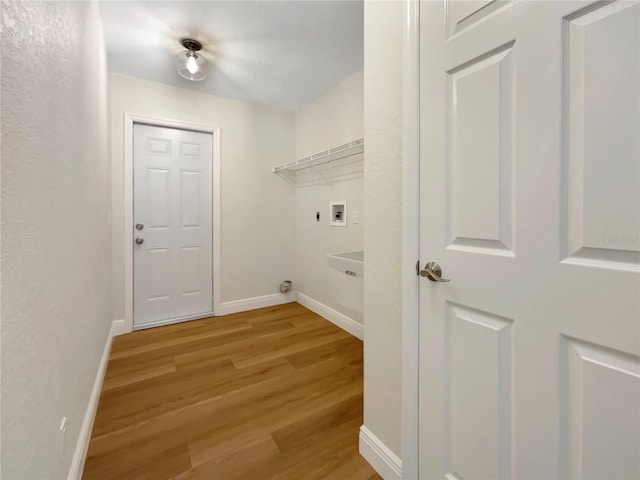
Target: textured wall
(382,230)
(257,207)
(334,118)
(56,248)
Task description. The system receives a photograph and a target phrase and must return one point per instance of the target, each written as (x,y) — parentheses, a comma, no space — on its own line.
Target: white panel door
(172,213)
(530,203)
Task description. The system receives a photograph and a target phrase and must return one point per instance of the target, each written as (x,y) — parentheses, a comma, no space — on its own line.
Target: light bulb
(189,64)
(192,66)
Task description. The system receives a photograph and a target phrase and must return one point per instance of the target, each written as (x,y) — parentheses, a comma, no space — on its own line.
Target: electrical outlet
(354,216)
(63,438)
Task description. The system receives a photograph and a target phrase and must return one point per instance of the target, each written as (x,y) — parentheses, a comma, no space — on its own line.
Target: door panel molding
(596,40)
(129,120)
(600,436)
(478,375)
(479,180)
(464,15)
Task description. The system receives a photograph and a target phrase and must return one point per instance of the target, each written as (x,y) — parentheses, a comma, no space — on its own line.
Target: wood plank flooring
(270,394)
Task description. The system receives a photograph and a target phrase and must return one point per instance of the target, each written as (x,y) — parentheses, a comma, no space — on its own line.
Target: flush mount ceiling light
(189,64)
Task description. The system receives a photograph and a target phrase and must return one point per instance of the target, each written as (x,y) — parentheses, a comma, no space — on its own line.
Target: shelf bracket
(326,180)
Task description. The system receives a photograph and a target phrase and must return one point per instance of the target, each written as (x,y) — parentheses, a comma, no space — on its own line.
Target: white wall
(382,230)
(56,248)
(332,119)
(257,207)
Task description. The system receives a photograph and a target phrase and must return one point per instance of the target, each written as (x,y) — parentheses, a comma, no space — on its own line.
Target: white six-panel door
(530,203)
(172,214)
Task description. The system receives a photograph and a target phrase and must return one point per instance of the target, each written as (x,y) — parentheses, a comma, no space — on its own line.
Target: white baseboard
(171,321)
(118,328)
(82,445)
(340,319)
(246,304)
(383,460)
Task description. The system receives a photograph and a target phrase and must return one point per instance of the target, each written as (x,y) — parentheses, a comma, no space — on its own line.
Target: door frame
(410,239)
(129,120)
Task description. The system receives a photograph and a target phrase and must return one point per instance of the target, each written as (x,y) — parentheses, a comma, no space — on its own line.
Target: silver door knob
(139,240)
(139,226)
(433,272)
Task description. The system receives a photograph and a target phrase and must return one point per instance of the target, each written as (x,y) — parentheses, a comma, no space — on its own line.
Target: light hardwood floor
(274,393)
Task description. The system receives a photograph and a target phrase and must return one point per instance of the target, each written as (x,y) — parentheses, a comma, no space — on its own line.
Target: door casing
(129,120)
(410,238)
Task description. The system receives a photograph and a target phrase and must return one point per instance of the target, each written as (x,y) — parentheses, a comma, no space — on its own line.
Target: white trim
(346,323)
(383,460)
(411,240)
(170,321)
(246,304)
(118,327)
(129,120)
(82,444)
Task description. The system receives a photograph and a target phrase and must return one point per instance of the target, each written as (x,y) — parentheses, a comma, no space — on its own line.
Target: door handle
(139,226)
(433,272)
(139,240)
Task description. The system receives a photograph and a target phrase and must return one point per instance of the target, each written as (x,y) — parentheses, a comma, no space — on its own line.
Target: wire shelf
(293,171)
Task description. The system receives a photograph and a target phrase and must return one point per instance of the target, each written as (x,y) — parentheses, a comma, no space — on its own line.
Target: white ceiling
(277,53)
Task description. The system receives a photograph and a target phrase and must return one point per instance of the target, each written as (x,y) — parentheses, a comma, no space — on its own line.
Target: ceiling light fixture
(189,64)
